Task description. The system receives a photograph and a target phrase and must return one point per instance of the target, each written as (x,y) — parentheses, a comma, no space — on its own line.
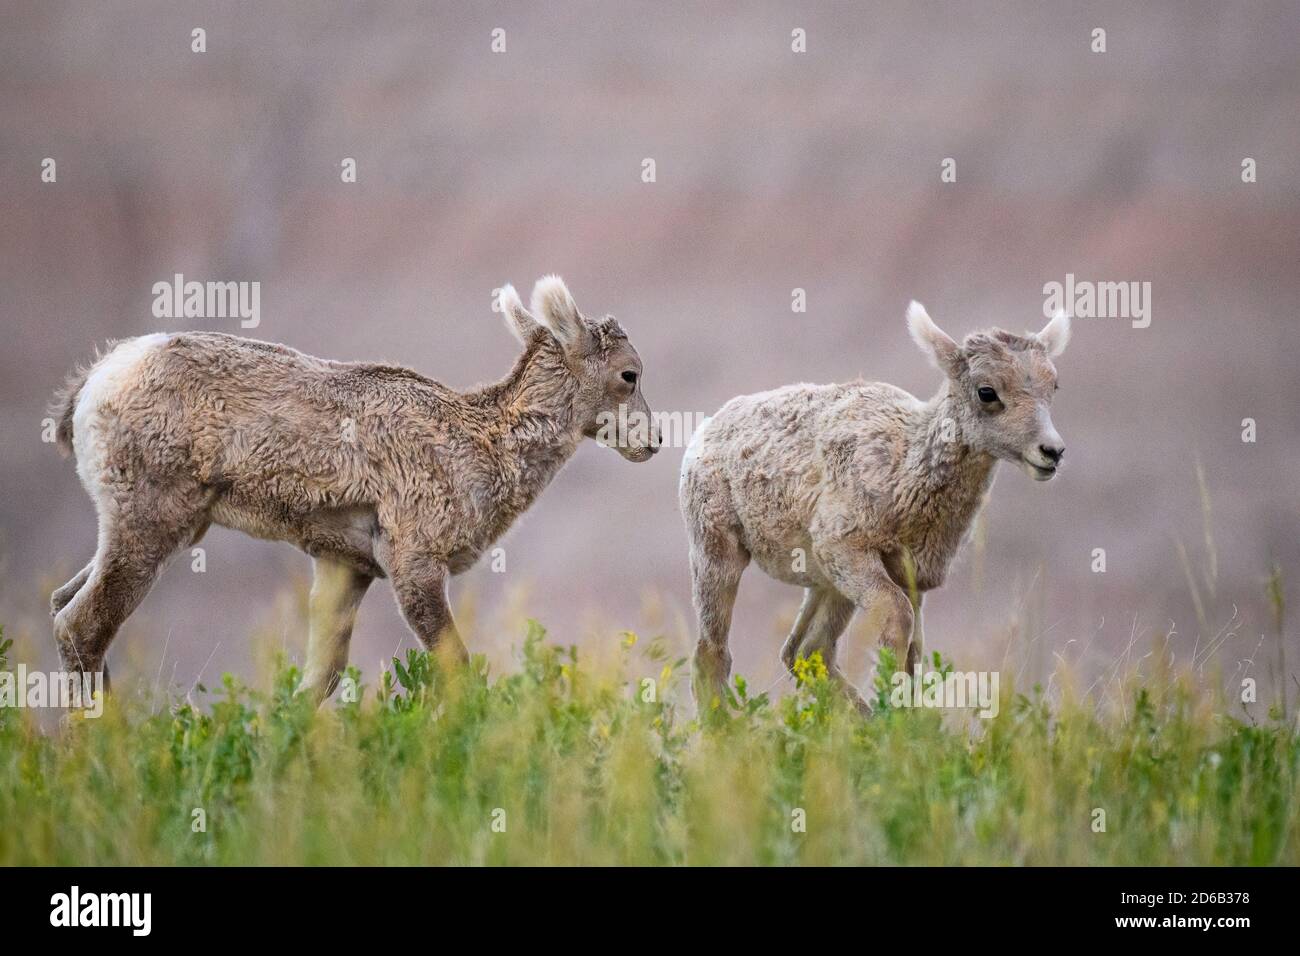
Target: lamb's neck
(954,476)
(535,422)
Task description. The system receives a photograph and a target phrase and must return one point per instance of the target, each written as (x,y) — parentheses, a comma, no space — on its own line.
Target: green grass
(575,766)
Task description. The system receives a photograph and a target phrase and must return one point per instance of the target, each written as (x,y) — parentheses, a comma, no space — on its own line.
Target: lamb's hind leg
(336,594)
(812,600)
(718,559)
(61,596)
(134,544)
(828,615)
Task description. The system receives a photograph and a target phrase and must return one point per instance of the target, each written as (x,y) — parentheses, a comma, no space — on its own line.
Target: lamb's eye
(987,394)
(629,377)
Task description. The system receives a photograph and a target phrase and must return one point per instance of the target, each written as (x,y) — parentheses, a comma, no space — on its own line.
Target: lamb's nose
(1052,453)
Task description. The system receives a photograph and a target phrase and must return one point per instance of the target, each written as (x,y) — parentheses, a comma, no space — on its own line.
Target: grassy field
(560,763)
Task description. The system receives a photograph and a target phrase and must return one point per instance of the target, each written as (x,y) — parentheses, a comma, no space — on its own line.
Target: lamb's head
(1003,385)
(608,403)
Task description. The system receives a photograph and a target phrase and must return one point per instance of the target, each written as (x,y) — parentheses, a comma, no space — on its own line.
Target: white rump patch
(109,377)
(693,448)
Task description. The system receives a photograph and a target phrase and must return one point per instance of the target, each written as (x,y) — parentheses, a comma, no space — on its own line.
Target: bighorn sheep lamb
(373,470)
(860,493)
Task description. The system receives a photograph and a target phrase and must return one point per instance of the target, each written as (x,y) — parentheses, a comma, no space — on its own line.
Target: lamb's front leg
(916,647)
(859,574)
(336,594)
(420,583)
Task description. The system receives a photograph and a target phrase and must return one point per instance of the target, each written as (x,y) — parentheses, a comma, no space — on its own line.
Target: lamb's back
(248,409)
(788,428)
(780,455)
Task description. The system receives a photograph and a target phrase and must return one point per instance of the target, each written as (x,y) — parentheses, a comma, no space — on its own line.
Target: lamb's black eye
(629,377)
(987,394)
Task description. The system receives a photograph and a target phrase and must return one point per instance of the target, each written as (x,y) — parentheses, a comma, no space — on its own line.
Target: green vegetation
(579,767)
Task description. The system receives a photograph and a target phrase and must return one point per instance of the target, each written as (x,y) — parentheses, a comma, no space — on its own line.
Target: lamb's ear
(555,309)
(517,318)
(932,340)
(1055,335)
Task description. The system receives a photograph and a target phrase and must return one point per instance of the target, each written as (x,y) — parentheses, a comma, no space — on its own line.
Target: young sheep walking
(373,470)
(860,493)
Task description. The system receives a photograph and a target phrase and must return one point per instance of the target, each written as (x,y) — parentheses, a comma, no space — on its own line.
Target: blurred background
(775,170)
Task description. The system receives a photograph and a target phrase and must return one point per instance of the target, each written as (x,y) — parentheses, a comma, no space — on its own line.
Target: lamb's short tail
(64,405)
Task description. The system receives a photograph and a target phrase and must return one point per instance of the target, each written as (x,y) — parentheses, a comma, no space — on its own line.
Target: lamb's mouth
(638,455)
(1040,472)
